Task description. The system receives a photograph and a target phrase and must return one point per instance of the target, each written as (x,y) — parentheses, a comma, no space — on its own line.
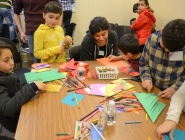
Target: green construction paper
(150,103)
(44,76)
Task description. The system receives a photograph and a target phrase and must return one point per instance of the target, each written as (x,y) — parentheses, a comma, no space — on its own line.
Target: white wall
(120,11)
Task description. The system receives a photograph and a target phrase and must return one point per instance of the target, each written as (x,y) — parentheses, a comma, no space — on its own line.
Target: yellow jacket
(47,44)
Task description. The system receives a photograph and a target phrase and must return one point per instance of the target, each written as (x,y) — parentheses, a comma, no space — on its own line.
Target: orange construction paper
(70,65)
(129,71)
(117,64)
(73,72)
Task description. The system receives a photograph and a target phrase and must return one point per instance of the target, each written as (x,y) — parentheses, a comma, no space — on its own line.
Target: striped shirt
(66,4)
(156,66)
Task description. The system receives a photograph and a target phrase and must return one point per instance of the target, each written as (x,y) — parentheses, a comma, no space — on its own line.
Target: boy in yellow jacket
(49,40)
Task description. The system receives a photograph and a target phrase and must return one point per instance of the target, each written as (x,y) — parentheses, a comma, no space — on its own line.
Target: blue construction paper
(94,133)
(177,135)
(44,76)
(70,99)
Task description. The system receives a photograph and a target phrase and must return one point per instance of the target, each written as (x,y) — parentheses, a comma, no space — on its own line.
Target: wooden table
(44,116)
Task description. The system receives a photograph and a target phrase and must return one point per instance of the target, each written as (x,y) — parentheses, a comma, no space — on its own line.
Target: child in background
(176,105)
(49,40)
(129,48)
(132,21)
(12,95)
(143,25)
(135,8)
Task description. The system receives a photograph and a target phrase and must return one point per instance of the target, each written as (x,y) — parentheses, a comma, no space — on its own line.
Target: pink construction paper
(96,89)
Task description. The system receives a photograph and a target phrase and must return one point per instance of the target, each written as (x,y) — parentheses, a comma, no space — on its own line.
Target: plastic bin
(107,72)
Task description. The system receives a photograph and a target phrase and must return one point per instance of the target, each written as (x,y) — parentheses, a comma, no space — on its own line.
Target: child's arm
(9,106)
(176,105)
(139,22)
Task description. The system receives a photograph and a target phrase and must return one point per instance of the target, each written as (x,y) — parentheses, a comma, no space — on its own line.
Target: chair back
(72,29)
(16,54)
(122,30)
(113,26)
(74,53)
(5,138)
(5,31)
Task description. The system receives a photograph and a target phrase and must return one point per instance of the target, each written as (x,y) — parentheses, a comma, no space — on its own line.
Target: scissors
(134,78)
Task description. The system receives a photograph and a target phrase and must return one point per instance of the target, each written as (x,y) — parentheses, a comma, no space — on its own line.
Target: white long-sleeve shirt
(177,104)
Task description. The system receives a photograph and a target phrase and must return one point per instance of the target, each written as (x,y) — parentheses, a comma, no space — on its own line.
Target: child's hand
(147,84)
(41,86)
(68,40)
(167,93)
(114,58)
(61,49)
(167,126)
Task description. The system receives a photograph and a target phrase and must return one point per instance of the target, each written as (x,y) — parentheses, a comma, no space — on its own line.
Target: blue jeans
(31,46)
(7,15)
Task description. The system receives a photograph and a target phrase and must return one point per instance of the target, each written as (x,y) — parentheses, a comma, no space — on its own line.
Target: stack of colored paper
(151,104)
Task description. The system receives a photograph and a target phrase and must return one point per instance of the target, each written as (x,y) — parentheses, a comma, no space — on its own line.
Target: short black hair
(129,43)
(98,24)
(133,19)
(135,7)
(173,35)
(53,7)
(4,45)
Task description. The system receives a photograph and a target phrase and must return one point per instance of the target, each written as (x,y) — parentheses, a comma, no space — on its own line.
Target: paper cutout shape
(70,65)
(53,88)
(70,99)
(40,65)
(74,72)
(128,70)
(44,76)
(98,89)
(150,104)
(40,70)
(110,89)
(177,135)
(125,85)
(118,64)
(83,91)
(94,134)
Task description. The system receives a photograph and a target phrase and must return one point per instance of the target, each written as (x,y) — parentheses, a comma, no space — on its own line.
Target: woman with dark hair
(99,41)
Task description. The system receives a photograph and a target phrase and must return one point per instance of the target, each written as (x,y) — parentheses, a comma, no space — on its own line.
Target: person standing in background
(6,13)
(67,14)
(33,10)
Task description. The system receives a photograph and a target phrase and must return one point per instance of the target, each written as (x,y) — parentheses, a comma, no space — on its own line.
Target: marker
(146,117)
(77,89)
(62,133)
(95,121)
(76,100)
(133,122)
(89,114)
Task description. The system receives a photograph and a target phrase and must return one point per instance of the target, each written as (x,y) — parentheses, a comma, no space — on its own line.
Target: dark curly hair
(128,43)
(53,7)
(173,35)
(98,24)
